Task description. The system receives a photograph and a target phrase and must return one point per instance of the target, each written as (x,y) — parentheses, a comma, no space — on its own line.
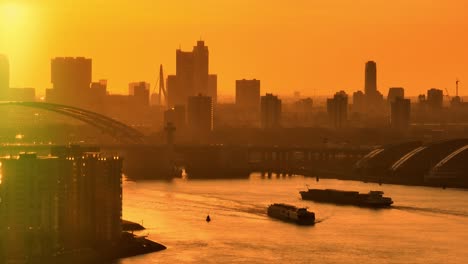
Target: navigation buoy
(208,219)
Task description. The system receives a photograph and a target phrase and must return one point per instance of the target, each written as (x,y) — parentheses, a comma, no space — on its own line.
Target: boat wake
(431,210)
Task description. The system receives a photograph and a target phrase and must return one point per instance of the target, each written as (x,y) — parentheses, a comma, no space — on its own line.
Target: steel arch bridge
(106,124)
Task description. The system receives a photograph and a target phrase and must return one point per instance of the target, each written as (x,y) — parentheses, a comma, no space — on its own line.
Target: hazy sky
(315,47)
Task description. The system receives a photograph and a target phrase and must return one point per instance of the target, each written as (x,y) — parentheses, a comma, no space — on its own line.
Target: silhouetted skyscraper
(192,76)
(200,114)
(371,78)
(400,113)
(435,98)
(374,99)
(4,77)
(248,94)
(395,92)
(270,114)
(337,108)
(71,79)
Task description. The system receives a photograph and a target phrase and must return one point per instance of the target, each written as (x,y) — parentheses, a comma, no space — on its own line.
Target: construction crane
(447,95)
(162,89)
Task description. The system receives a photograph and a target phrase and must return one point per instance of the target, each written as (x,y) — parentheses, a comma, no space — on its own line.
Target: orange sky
(312,46)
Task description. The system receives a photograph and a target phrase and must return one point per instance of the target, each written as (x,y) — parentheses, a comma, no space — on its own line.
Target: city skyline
(311,59)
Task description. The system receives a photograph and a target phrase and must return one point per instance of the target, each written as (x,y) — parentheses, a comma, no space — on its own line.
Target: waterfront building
(68,201)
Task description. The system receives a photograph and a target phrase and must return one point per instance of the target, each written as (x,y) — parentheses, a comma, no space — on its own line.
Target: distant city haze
(314,47)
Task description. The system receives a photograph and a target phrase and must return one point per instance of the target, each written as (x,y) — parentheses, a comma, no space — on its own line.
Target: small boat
(291,213)
(208,219)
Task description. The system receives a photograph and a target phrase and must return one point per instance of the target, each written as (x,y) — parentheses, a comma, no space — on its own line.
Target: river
(425,225)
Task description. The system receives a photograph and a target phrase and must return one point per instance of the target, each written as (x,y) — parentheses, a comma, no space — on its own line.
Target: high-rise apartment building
(337,108)
(71,79)
(435,98)
(70,200)
(270,111)
(248,95)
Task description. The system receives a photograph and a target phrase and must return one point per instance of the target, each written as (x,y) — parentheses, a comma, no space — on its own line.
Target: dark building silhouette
(435,98)
(400,113)
(374,99)
(98,96)
(395,92)
(68,201)
(200,114)
(4,77)
(192,76)
(359,101)
(270,114)
(248,94)
(370,87)
(337,108)
(140,93)
(71,79)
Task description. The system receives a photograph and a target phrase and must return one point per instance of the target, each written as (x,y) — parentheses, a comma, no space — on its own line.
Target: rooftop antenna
(456,85)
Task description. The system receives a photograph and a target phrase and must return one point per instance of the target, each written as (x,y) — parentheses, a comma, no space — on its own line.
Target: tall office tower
(270,111)
(4,77)
(359,102)
(435,98)
(200,114)
(400,113)
(337,108)
(370,87)
(248,95)
(140,92)
(395,92)
(71,200)
(71,79)
(192,76)
(374,99)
